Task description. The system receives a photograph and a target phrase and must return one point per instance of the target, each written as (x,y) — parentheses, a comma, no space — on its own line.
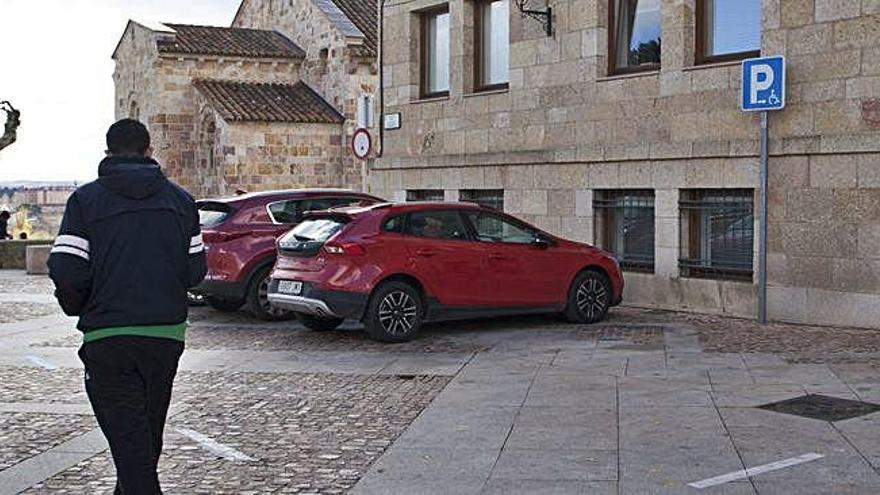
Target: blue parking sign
(763,84)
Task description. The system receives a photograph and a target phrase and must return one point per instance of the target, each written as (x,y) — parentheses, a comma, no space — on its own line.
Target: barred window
(490,198)
(424,195)
(717,233)
(625,227)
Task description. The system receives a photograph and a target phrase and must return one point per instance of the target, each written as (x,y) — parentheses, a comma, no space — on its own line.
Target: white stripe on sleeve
(71,250)
(196,241)
(73,241)
(197,249)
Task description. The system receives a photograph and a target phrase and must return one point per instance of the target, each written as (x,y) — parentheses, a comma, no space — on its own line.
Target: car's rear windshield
(318,229)
(211,214)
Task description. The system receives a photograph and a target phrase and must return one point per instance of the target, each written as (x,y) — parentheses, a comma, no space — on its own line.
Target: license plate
(289,287)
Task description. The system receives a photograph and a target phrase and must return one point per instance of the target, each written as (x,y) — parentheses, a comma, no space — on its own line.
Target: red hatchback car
(239,235)
(394,266)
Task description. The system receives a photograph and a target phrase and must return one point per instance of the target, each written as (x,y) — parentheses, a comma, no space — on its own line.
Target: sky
(55,67)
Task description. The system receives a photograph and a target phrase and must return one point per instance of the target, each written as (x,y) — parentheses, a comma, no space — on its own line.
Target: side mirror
(541,243)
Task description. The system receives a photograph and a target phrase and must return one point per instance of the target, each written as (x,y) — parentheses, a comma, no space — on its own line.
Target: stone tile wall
(565,128)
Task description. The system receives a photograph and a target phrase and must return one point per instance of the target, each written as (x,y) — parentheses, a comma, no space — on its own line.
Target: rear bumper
(300,304)
(318,302)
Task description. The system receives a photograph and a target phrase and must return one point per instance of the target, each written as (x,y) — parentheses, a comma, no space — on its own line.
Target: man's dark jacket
(129,248)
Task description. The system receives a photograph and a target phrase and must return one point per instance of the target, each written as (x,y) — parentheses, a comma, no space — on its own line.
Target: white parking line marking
(42,363)
(744,473)
(219,449)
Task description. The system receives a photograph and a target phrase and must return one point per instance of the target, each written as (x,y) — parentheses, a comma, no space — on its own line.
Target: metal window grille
(424,195)
(717,233)
(625,227)
(490,198)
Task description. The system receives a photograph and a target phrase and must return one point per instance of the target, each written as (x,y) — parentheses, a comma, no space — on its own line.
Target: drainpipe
(381,119)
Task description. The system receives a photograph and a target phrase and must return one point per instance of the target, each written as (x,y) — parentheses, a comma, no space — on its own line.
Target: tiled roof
(232,42)
(265,102)
(364,15)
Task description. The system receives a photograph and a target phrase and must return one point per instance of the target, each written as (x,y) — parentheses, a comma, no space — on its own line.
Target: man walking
(128,249)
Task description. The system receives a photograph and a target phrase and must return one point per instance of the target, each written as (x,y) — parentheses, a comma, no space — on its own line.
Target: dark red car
(240,234)
(394,266)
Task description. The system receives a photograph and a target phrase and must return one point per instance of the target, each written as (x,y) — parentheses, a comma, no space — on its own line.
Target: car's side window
(493,228)
(437,224)
(394,224)
(285,211)
(292,211)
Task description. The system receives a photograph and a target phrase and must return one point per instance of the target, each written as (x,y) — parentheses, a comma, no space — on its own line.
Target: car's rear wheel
(588,298)
(319,324)
(258,299)
(395,312)
(224,305)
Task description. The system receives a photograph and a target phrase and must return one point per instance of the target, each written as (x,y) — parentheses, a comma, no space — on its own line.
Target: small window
(493,228)
(440,224)
(424,195)
(490,198)
(394,224)
(717,233)
(211,214)
(625,227)
(728,30)
(634,35)
(435,53)
(492,44)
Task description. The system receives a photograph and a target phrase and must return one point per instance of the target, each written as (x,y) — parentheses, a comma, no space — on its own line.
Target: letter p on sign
(763,84)
(761,80)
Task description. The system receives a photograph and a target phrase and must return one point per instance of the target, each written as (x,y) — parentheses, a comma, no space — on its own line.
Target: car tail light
(348,249)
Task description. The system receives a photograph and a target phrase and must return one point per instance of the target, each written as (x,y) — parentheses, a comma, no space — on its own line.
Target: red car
(394,266)
(240,234)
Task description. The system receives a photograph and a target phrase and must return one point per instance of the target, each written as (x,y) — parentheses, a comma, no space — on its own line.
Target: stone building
(268,103)
(622,128)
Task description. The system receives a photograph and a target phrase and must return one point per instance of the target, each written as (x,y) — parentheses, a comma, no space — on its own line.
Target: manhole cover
(822,407)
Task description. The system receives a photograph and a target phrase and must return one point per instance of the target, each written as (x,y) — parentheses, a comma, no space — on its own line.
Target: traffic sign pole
(762,239)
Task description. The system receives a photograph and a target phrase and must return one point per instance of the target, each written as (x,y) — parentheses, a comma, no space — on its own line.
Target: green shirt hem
(173,332)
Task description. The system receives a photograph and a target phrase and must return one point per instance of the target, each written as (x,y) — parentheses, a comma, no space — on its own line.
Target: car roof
(403,207)
(286,194)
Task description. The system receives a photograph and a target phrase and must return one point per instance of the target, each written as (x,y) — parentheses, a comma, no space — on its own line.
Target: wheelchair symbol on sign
(771,100)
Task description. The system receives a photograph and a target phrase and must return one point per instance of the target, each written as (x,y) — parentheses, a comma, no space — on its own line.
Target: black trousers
(128,381)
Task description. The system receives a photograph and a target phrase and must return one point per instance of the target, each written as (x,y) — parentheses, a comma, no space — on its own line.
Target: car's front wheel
(319,324)
(588,298)
(258,299)
(395,312)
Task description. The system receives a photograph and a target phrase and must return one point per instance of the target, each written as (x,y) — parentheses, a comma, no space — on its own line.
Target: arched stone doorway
(207,168)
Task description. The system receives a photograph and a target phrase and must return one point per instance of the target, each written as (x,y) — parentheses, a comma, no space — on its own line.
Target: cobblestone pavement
(306,433)
(645,402)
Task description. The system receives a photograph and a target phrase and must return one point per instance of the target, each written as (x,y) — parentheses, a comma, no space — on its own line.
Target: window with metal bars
(424,195)
(625,226)
(717,233)
(490,198)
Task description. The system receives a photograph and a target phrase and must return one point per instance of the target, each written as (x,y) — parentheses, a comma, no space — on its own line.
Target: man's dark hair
(5,215)
(128,137)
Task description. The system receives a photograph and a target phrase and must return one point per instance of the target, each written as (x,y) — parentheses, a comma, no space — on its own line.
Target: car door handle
(496,256)
(426,252)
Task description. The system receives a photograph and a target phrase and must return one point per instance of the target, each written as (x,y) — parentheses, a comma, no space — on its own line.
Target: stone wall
(173,121)
(13,254)
(333,65)
(566,128)
(262,156)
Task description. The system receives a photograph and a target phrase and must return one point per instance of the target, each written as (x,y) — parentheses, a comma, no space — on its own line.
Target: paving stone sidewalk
(648,402)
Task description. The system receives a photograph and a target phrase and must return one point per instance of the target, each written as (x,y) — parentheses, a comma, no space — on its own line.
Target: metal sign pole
(762,240)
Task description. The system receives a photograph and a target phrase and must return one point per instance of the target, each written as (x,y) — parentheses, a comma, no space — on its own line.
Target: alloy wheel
(397,313)
(592,297)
